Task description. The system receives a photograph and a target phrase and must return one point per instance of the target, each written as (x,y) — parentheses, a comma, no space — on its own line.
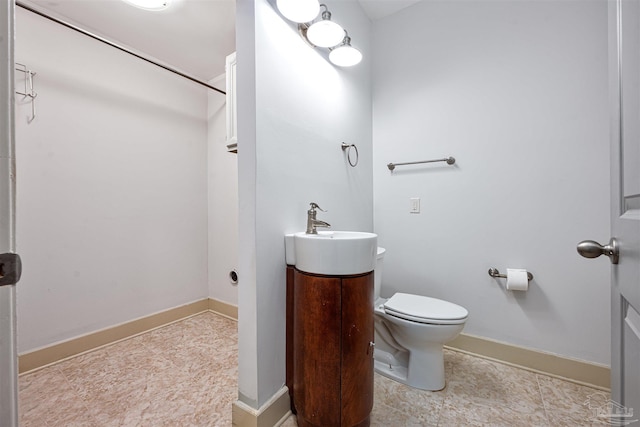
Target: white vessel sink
(332,252)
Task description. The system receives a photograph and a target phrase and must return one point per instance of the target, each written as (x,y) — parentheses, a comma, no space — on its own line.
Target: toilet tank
(377,273)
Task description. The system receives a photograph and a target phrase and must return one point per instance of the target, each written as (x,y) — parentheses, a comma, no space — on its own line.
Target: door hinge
(10,269)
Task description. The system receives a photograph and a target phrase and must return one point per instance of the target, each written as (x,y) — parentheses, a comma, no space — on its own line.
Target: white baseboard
(48,355)
(577,371)
(273,413)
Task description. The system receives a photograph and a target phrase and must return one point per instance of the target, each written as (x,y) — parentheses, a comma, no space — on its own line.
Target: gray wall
(111,188)
(294,111)
(516,91)
(223,201)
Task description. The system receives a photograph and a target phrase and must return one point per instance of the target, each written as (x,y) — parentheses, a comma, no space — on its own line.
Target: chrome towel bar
(449,160)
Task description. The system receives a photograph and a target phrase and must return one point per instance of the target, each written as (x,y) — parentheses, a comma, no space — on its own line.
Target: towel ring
(347,147)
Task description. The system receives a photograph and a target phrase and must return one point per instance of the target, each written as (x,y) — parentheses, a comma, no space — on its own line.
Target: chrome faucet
(312,222)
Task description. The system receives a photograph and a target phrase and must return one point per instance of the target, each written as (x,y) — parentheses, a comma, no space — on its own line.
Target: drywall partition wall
(112,187)
(223,202)
(517,93)
(294,111)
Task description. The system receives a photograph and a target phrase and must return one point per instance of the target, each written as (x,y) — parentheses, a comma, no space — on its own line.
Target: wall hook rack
(28,91)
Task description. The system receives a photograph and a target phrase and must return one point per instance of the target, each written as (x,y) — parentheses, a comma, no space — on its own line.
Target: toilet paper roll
(517,279)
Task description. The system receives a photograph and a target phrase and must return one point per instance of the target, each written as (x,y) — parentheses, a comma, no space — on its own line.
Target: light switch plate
(414,205)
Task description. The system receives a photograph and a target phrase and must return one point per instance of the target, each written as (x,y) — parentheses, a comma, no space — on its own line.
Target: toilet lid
(422,309)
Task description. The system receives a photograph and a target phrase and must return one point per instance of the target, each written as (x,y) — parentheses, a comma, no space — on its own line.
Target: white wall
(294,111)
(223,202)
(112,187)
(516,91)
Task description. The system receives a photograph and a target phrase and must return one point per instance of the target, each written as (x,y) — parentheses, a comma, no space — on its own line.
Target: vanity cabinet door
(357,350)
(329,348)
(289,333)
(317,349)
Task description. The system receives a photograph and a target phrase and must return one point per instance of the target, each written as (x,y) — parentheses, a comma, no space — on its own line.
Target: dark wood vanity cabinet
(330,348)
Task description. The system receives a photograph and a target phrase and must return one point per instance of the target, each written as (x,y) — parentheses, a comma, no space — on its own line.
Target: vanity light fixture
(149,4)
(299,11)
(345,55)
(325,33)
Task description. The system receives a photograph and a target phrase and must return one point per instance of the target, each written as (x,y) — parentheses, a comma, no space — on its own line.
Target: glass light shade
(149,4)
(300,11)
(325,33)
(345,56)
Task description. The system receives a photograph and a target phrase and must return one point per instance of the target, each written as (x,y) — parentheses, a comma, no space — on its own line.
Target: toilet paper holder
(493,272)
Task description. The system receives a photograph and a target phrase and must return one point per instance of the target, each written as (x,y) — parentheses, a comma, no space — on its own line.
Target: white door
(624,43)
(8,352)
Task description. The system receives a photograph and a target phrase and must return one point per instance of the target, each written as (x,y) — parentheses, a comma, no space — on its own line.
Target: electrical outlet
(414,205)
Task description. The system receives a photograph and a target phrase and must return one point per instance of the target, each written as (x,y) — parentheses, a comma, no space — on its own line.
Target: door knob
(593,249)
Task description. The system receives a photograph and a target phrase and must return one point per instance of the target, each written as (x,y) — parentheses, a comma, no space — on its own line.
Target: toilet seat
(421,309)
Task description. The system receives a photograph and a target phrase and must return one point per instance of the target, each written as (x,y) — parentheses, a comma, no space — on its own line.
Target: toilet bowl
(410,331)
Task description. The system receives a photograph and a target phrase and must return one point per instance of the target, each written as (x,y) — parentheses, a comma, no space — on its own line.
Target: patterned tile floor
(185,374)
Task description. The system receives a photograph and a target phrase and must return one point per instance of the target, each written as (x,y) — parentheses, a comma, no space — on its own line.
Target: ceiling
(194,36)
(377,9)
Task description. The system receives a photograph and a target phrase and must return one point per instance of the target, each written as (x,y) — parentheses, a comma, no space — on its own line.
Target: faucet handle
(314,206)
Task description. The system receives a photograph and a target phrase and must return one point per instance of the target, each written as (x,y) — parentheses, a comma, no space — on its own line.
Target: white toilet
(410,331)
